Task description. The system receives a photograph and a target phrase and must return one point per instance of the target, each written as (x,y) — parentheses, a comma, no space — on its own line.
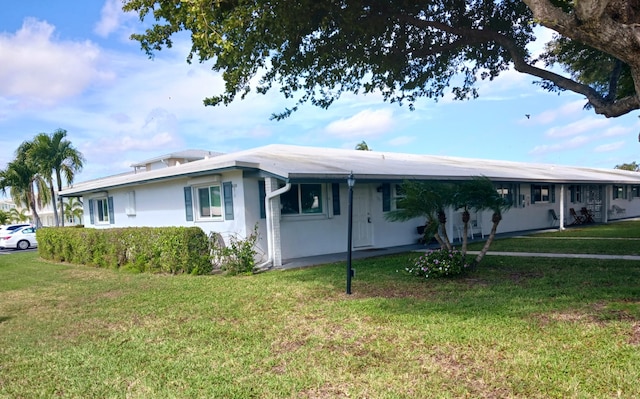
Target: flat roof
(299,164)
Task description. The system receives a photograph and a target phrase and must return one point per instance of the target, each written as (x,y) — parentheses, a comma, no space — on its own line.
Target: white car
(20,238)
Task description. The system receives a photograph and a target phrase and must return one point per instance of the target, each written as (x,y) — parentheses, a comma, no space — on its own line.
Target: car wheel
(23,244)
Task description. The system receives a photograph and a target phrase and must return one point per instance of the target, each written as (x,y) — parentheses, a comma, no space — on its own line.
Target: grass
(622,238)
(516,327)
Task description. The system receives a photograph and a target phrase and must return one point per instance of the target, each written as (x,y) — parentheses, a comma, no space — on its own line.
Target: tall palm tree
(54,155)
(73,209)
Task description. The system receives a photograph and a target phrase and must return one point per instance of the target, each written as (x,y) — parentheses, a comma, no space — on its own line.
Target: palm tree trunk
(465,231)
(34,211)
(496,220)
(54,205)
(62,216)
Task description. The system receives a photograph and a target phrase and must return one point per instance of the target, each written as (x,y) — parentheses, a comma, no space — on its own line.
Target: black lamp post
(350,182)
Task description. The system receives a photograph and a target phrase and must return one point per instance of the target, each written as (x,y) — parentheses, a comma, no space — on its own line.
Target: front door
(362,225)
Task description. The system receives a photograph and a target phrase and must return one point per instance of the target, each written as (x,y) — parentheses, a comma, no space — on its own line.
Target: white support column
(273,226)
(561,221)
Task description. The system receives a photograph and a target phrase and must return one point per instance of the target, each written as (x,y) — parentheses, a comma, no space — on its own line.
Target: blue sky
(69,64)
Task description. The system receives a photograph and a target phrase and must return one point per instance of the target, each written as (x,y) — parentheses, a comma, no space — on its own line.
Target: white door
(362,225)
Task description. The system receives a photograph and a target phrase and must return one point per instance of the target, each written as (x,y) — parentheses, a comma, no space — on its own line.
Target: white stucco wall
(162,204)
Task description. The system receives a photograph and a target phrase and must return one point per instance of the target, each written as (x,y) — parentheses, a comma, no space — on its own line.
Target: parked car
(11,227)
(20,238)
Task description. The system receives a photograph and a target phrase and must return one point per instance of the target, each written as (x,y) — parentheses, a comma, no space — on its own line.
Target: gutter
(269,216)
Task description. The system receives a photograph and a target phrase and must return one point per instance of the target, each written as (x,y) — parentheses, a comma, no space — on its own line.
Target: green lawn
(516,327)
(621,238)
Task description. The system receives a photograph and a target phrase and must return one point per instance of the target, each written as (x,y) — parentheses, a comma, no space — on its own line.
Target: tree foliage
(30,176)
(313,51)
(430,200)
(633,166)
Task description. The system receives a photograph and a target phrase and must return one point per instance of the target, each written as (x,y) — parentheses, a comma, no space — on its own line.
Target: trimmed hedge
(172,250)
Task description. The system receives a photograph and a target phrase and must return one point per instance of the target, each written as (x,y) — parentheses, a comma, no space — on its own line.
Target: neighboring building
(298,196)
(6,205)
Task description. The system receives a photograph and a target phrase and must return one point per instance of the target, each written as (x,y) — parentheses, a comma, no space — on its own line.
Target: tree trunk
(465,231)
(62,215)
(54,205)
(442,218)
(34,211)
(496,220)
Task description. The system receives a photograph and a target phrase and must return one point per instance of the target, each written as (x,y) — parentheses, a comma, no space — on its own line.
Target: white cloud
(616,131)
(569,109)
(576,127)
(37,70)
(364,124)
(401,140)
(110,16)
(571,144)
(609,147)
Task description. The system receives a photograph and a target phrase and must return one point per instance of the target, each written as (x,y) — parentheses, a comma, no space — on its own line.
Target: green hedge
(145,249)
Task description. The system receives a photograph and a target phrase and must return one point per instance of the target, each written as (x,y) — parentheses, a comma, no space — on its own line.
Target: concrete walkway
(548,255)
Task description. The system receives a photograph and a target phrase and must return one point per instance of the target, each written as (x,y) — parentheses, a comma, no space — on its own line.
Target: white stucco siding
(163,204)
(309,235)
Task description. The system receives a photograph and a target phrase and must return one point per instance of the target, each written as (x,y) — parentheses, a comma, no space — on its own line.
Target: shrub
(144,249)
(238,257)
(438,263)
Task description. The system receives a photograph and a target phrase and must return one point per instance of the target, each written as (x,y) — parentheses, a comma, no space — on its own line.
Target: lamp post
(350,182)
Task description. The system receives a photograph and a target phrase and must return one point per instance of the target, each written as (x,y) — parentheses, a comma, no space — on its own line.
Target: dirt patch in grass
(634,339)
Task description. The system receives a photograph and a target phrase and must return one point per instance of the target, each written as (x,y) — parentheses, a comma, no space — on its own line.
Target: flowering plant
(438,263)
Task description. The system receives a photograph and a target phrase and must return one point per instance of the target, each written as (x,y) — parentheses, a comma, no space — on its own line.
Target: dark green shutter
(262,194)
(227,192)
(533,194)
(112,218)
(572,190)
(188,204)
(335,194)
(552,188)
(386,197)
(92,218)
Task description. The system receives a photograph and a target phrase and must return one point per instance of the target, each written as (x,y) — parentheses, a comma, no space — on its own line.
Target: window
(635,191)
(399,195)
(101,211)
(619,192)
(302,199)
(543,193)
(209,202)
(130,210)
(510,192)
(576,194)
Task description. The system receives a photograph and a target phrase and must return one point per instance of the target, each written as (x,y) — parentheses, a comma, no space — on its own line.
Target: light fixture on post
(351,181)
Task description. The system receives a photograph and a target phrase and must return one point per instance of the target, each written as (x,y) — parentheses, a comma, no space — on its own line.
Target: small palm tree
(427,200)
(73,209)
(26,187)
(363,146)
(5,217)
(430,199)
(18,215)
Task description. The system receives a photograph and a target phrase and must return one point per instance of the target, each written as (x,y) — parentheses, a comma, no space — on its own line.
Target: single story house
(298,196)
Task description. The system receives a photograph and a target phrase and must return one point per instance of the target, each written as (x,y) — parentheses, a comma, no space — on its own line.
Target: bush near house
(174,250)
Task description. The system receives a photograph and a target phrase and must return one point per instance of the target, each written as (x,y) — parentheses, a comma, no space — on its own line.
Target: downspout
(269,217)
